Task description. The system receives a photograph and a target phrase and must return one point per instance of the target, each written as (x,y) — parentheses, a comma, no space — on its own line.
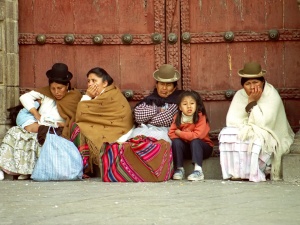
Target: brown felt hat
(166,73)
(59,72)
(252,70)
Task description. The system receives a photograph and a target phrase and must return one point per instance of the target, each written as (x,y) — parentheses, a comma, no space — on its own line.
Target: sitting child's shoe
(179,174)
(196,176)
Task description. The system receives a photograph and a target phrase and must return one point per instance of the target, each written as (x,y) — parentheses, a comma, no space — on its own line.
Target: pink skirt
(239,162)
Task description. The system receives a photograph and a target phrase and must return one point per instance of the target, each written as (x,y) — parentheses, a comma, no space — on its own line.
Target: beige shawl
(105,118)
(266,122)
(66,107)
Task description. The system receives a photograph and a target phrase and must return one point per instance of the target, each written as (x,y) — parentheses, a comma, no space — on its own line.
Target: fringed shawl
(266,122)
(66,107)
(105,118)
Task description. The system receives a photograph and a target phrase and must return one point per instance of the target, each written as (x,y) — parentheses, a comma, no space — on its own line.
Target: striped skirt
(140,159)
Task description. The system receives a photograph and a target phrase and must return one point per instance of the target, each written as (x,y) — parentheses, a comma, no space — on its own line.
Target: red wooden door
(126,38)
(218,37)
(131,38)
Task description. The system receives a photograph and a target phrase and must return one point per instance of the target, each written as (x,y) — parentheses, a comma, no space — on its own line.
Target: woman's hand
(255,94)
(92,91)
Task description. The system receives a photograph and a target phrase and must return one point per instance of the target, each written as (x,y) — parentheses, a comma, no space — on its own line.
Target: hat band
(253,74)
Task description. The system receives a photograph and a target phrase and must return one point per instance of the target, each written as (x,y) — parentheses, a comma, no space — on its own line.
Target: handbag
(59,160)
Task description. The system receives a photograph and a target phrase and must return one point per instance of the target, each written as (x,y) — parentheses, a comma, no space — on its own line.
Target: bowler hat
(252,70)
(59,72)
(166,73)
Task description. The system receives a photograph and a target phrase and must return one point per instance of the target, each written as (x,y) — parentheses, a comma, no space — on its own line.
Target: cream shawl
(266,122)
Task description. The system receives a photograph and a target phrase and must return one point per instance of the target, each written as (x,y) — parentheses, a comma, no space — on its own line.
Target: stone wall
(9,60)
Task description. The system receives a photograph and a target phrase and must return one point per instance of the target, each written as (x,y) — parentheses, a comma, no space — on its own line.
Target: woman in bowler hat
(257,131)
(146,156)
(54,105)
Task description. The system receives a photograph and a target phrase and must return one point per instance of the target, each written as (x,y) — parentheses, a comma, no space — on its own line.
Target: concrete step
(291,167)
(211,168)
(291,162)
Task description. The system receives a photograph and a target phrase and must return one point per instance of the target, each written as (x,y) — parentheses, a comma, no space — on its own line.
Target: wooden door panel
(292,63)
(130,64)
(210,62)
(215,15)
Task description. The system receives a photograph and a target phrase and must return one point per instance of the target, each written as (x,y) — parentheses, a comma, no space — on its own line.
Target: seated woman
(103,116)
(257,132)
(20,147)
(154,114)
(147,155)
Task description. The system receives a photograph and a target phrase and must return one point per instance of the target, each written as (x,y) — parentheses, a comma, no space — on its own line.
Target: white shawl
(266,122)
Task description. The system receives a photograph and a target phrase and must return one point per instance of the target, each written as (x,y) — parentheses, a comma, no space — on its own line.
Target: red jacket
(190,131)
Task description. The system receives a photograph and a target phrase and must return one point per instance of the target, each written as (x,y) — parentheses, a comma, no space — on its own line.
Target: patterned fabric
(80,142)
(238,162)
(140,159)
(148,114)
(19,151)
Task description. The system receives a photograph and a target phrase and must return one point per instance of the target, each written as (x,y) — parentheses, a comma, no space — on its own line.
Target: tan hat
(166,73)
(252,70)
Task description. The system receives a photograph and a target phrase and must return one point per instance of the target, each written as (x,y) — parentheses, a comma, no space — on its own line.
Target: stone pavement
(174,202)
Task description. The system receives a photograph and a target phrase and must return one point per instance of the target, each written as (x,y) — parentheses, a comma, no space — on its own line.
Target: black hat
(60,73)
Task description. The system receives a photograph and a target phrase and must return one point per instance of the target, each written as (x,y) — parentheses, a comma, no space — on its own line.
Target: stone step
(211,168)
(291,167)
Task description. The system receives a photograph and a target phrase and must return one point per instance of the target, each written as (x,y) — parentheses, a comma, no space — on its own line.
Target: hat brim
(261,74)
(169,80)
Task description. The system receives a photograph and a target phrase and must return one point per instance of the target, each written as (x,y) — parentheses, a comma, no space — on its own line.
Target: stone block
(295,148)
(291,167)
(12,36)
(2,10)
(11,10)
(12,70)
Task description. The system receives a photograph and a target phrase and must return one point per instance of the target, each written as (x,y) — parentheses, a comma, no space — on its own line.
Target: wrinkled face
(94,80)
(58,90)
(165,89)
(188,106)
(250,85)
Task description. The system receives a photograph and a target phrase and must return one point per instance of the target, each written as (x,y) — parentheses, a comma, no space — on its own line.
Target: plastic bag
(59,160)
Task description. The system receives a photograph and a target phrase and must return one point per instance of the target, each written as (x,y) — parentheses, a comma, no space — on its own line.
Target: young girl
(189,134)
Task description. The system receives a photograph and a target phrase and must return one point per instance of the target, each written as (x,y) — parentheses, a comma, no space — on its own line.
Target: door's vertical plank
(173,27)
(160,28)
(185,47)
